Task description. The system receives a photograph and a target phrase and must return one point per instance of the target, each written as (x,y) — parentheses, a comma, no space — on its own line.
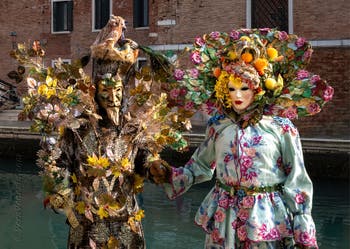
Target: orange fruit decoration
(247,57)
(217,72)
(260,64)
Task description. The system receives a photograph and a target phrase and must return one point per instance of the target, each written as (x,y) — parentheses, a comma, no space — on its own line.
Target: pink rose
(243,214)
(215,35)
(199,41)
(174,93)
(304,237)
(219,216)
(224,202)
(328,93)
(313,108)
(248,201)
(257,139)
(234,35)
(299,198)
(196,57)
(178,74)
(290,113)
(234,224)
(307,55)
(315,78)
(300,42)
(274,233)
(302,74)
(242,233)
(246,162)
(282,36)
(194,73)
(215,235)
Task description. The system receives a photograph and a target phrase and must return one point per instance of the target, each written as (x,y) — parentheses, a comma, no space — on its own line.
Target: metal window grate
(270,14)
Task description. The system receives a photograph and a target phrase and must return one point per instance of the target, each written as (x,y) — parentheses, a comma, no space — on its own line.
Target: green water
(168,224)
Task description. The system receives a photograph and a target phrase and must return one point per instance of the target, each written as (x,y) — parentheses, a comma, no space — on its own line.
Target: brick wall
(314,19)
(331,64)
(318,19)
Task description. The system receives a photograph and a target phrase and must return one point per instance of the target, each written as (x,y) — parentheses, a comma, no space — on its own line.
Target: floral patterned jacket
(263,192)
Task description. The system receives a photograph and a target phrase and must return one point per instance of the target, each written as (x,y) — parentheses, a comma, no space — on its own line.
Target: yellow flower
(102,213)
(69,90)
(116,172)
(74,178)
(80,207)
(138,182)
(139,215)
(221,88)
(98,161)
(50,92)
(92,160)
(42,89)
(61,130)
(51,82)
(125,163)
(236,81)
(112,242)
(103,162)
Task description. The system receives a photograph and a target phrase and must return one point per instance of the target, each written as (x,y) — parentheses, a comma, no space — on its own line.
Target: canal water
(168,224)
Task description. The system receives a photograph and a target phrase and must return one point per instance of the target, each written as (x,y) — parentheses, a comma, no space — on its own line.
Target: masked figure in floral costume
(100,155)
(252,83)
(96,133)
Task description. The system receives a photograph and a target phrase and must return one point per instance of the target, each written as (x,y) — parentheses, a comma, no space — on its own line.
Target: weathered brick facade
(174,22)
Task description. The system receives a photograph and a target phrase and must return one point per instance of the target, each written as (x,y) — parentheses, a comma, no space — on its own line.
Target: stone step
(9,115)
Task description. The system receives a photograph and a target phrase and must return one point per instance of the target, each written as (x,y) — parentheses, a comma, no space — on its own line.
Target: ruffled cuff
(304,230)
(180,181)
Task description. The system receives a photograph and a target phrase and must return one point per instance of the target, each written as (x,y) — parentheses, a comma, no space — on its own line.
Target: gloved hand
(159,171)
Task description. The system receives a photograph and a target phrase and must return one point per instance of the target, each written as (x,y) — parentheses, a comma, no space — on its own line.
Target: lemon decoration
(270,83)
(232,55)
(272,53)
(245,38)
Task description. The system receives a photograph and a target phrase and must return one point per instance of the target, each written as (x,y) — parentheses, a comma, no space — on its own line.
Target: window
(101,13)
(141,61)
(140,13)
(63,61)
(270,14)
(62,16)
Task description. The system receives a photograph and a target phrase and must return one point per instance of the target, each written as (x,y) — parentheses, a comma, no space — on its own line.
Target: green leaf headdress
(272,62)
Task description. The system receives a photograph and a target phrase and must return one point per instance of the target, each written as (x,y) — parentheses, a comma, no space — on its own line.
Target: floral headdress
(271,62)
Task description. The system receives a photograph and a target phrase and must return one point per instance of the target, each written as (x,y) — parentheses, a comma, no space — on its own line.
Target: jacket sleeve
(198,169)
(298,189)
